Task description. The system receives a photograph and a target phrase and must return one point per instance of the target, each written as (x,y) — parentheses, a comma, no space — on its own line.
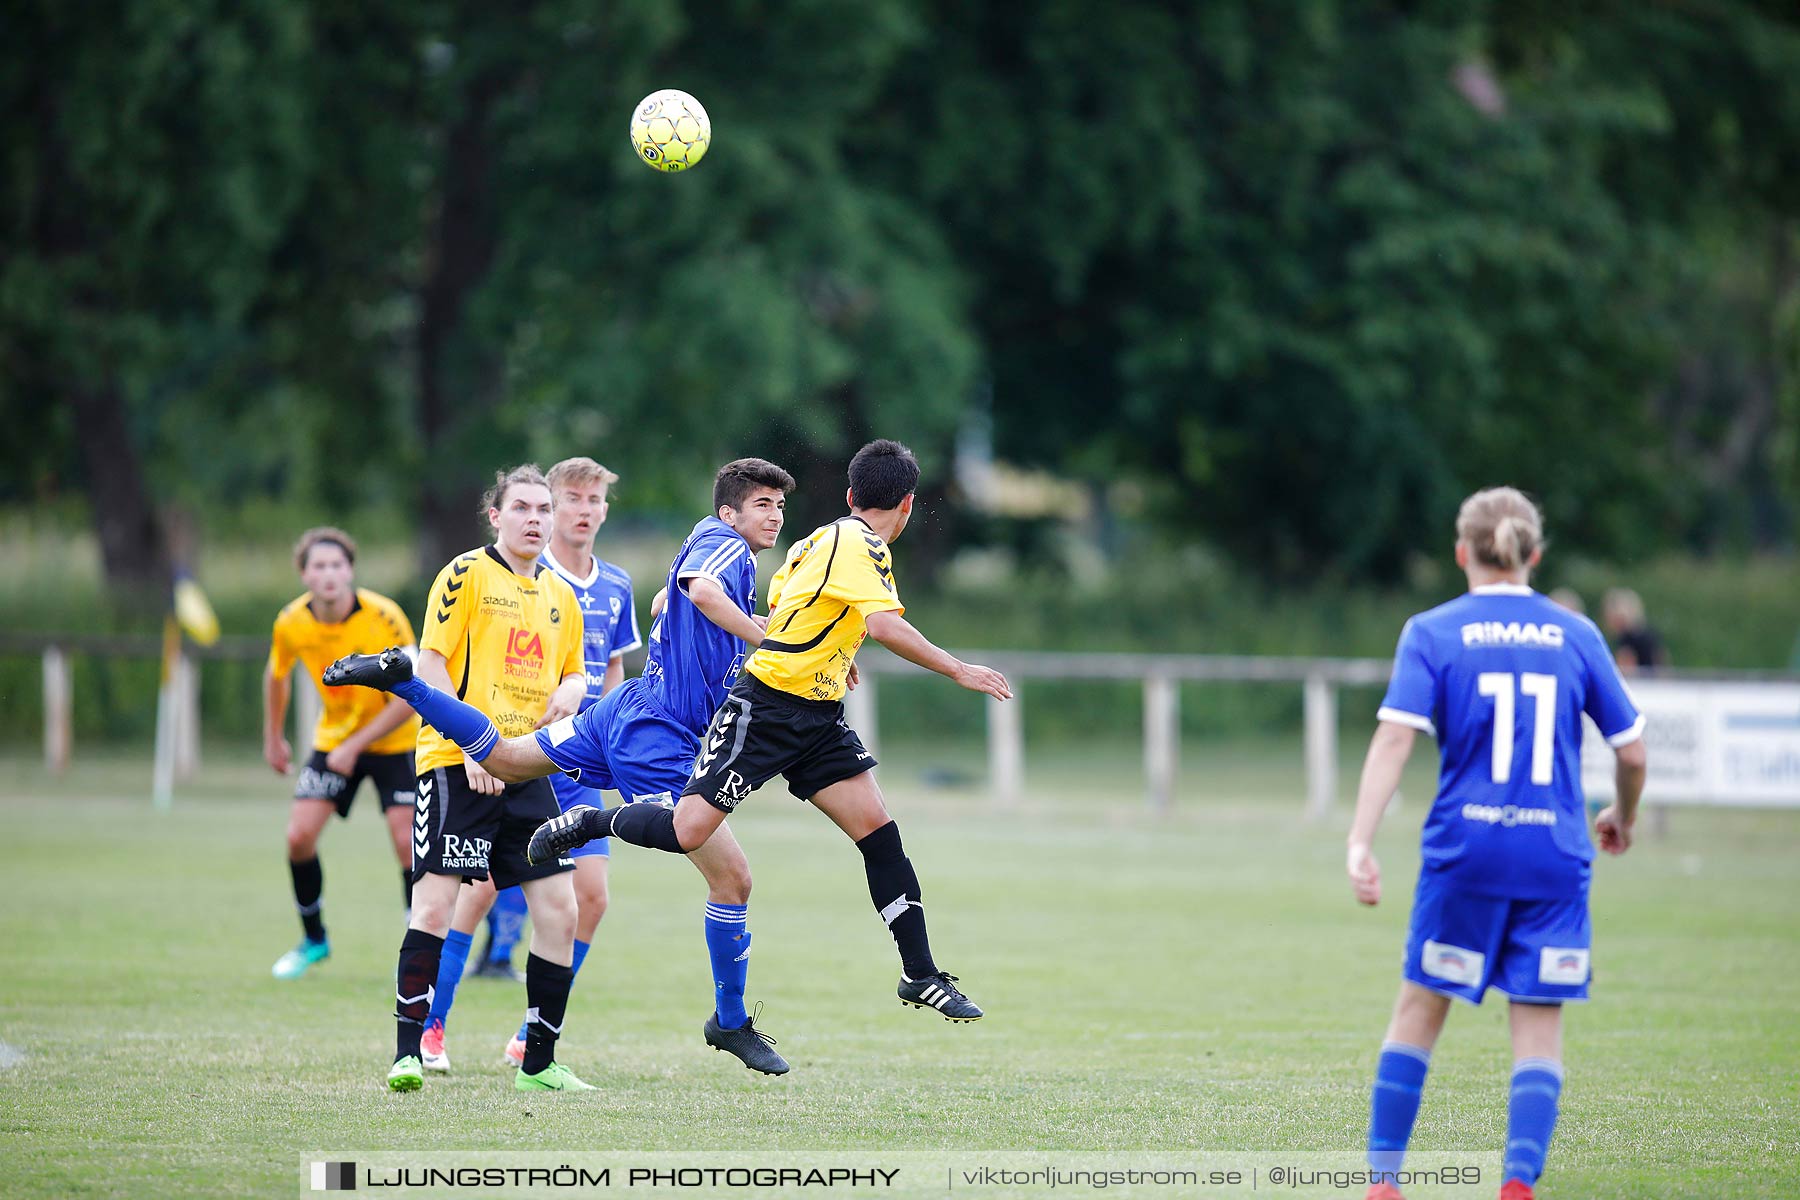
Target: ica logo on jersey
(524,653)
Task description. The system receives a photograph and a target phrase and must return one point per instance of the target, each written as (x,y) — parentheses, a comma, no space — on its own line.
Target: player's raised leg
(856,807)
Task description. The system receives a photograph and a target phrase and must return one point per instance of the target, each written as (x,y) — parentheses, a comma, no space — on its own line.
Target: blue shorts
(1534,951)
(624,743)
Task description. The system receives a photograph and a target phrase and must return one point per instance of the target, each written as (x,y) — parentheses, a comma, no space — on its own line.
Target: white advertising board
(1710,743)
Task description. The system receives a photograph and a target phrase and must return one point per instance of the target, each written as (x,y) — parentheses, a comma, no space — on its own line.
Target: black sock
(309,884)
(649,825)
(406,885)
(419,953)
(546,999)
(894,889)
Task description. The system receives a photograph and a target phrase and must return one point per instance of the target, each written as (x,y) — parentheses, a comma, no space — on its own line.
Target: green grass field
(1200,981)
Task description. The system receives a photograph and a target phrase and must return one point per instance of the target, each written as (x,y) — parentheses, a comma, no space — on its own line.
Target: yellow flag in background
(195,613)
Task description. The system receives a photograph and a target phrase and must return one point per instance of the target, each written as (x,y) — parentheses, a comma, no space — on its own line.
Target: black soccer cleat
(559,835)
(379,671)
(754,1048)
(939,994)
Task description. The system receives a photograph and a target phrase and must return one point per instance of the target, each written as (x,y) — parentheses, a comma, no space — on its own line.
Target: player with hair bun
(1501,677)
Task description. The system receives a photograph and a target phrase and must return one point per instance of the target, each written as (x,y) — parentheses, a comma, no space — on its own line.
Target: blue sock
(506,924)
(728,945)
(450,970)
(581,949)
(1531,1117)
(1394,1103)
(463,724)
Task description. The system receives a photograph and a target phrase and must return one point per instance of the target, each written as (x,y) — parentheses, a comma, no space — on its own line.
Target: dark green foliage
(1304,274)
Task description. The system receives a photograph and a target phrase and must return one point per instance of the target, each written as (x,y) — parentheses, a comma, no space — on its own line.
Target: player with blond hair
(1501,677)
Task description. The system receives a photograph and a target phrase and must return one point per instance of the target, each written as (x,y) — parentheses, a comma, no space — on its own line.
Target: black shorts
(392,775)
(459,831)
(760,732)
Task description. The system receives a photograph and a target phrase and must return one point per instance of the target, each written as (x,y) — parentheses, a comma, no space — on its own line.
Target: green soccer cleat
(553,1078)
(406,1075)
(295,962)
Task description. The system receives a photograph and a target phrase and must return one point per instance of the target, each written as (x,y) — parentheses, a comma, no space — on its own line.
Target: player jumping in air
(508,630)
(642,738)
(358,736)
(609,629)
(784,715)
(1500,677)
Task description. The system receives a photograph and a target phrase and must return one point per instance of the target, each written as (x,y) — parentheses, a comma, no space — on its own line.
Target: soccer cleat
(379,671)
(295,962)
(553,1078)
(559,835)
(431,1047)
(938,993)
(1383,1191)
(1515,1189)
(752,1047)
(515,1051)
(497,968)
(406,1075)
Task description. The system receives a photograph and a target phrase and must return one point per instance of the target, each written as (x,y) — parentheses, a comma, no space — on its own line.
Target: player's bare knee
(591,897)
(302,843)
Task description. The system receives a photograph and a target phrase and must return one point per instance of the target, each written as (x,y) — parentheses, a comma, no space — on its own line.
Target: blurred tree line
(1296,275)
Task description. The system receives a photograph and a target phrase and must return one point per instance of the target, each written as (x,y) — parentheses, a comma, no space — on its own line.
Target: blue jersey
(608,621)
(1501,677)
(693,662)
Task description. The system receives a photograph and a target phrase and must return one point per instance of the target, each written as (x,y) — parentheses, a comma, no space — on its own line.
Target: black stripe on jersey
(802,647)
(462,689)
(836,530)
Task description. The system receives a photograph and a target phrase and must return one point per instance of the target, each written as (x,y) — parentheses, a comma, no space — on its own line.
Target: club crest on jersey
(1548,636)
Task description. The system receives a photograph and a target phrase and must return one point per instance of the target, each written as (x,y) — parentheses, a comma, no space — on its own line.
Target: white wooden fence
(1160,677)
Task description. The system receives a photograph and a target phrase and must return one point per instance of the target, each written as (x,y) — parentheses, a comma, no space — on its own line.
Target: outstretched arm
(899,635)
(1388,751)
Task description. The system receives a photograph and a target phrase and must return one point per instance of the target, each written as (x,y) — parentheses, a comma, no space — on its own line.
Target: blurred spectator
(1636,646)
(1570,599)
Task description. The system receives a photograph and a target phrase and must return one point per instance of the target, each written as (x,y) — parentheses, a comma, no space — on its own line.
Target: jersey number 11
(1542,688)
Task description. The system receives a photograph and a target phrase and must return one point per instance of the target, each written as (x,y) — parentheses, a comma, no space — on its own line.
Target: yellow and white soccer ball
(670,130)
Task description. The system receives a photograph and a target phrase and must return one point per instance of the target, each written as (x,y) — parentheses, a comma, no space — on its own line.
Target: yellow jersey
(819,604)
(508,640)
(374,624)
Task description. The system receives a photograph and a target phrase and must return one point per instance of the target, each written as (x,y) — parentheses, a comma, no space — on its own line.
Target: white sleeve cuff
(622,651)
(1628,735)
(1400,716)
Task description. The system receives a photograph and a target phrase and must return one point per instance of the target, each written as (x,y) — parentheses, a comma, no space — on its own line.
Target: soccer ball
(670,130)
